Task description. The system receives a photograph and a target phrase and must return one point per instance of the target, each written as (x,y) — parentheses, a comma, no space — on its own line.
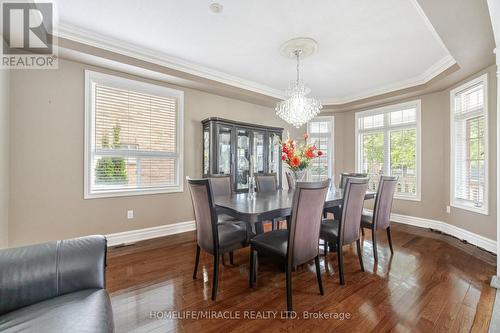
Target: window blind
(469,146)
(134,139)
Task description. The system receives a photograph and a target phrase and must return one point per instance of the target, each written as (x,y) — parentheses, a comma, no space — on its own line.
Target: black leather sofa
(55,287)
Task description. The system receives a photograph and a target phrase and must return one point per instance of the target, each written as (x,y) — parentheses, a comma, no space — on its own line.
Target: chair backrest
(204,214)
(345,175)
(305,222)
(290,180)
(220,184)
(383,202)
(352,208)
(266,182)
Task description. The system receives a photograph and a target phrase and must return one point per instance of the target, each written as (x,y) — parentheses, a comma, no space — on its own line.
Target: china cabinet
(232,148)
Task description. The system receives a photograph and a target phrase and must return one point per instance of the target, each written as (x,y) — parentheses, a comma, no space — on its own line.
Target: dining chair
(337,210)
(299,243)
(380,219)
(211,236)
(346,230)
(221,185)
(267,182)
(290,180)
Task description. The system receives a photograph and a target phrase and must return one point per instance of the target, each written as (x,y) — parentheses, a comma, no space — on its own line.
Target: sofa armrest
(34,273)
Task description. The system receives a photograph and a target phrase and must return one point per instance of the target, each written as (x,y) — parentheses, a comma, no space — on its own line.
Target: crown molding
(159,58)
(436,69)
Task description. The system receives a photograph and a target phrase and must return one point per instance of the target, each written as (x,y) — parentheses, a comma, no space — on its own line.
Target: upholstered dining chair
(380,219)
(268,182)
(346,230)
(299,243)
(221,185)
(337,210)
(290,180)
(211,236)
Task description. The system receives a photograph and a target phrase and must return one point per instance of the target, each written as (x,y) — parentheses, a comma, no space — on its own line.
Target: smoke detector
(216,7)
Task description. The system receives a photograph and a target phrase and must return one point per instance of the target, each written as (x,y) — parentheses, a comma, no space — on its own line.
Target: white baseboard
(133,236)
(462,234)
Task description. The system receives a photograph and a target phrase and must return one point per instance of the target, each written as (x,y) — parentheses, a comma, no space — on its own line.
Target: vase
(298,175)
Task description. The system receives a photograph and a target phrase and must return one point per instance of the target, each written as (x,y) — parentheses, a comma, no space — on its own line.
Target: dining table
(258,207)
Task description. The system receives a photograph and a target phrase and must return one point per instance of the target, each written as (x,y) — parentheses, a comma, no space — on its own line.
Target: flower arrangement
(298,157)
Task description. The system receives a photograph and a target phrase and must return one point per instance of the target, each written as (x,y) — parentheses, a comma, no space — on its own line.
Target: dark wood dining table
(266,206)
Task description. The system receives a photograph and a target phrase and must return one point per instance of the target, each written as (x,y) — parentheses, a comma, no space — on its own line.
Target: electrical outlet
(130,214)
(448,209)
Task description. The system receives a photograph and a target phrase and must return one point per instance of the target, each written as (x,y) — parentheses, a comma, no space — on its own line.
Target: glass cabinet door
(206,150)
(224,150)
(258,152)
(274,156)
(242,158)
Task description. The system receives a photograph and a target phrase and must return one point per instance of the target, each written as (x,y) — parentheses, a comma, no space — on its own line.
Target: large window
(388,143)
(469,146)
(133,137)
(320,131)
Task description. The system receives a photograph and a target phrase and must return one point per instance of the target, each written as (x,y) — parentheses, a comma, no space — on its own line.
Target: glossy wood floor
(433,283)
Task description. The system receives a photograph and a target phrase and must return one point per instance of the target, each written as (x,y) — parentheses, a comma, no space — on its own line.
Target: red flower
(295,162)
(285,149)
(283,157)
(309,153)
(320,153)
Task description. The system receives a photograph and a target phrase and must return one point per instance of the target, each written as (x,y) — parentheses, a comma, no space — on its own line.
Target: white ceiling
(366,47)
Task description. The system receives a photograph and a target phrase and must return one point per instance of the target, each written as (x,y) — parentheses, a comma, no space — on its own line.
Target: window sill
(482,211)
(131,193)
(407,198)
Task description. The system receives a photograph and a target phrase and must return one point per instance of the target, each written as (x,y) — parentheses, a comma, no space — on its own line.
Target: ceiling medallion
(298,109)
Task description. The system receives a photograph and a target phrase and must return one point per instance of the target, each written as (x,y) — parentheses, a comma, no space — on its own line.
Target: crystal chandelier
(298,109)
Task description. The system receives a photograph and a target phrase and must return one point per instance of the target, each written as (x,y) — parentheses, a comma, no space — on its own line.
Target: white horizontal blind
(320,131)
(134,138)
(469,146)
(388,144)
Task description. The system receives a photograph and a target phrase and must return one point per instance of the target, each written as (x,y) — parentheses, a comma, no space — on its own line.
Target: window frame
(120,82)
(461,204)
(386,129)
(331,142)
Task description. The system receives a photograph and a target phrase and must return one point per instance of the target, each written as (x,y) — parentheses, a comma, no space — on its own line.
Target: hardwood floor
(433,283)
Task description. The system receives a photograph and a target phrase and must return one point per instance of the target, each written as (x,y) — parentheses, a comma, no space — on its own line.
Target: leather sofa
(55,287)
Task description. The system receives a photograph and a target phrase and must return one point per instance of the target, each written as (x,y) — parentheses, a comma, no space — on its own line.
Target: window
(320,131)
(469,146)
(388,143)
(133,137)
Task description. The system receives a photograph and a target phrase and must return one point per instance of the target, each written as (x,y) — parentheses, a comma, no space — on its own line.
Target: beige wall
(47,131)
(435,147)
(4,157)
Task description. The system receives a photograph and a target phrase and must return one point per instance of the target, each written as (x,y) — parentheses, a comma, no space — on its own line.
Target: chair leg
(390,239)
(231,258)
(340,258)
(289,287)
(363,231)
(215,277)
(196,261)
(251,272)
(360,255)
(374,242)
(318,275)
(325,247)
(325,214)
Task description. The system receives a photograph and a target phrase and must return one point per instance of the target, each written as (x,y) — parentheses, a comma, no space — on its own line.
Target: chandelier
(298,109)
